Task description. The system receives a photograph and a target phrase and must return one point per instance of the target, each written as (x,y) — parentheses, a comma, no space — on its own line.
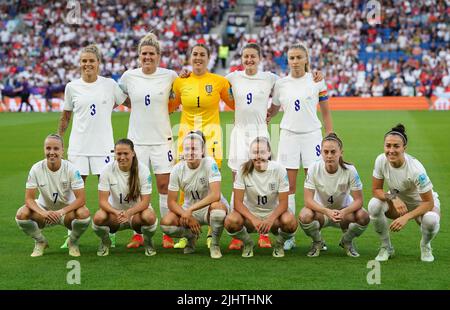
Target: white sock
(376,211)
(291,203)
(216,218)
(31,228)
(232,201)
(241,235)
(354,230)
(68,232)
(148,232)
(312,230)
(163,208)
(173,231)
(283,236)
(79,226)
(101,231)
(429,227)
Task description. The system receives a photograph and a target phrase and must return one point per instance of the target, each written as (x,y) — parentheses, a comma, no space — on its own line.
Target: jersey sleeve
(123,83)
(309,181)
(119,95)
(68,102)
(146,181)
(355,181)
(213,172)
(276,93)
(273,79)
(378,168)
(422,181)
(103,182)
(283,180)
(226,93)
(32,182)
(239,181)
(76,181)
(173,180)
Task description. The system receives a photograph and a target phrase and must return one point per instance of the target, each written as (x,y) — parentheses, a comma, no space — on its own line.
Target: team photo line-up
(189,181)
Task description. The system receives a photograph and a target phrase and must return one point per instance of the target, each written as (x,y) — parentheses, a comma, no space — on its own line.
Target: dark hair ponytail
(400,131)
(134,186)
(333,137)
(248,166)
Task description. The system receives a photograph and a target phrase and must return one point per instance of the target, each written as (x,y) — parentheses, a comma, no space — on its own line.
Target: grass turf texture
(362,133)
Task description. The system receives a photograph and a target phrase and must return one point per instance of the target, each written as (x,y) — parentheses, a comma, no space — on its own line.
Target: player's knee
(362,217)
(430,220)
(375,207)
(100,218)
(233,223)
(306,216)
(288,222)
(148,217)
(23,213)
(82,213)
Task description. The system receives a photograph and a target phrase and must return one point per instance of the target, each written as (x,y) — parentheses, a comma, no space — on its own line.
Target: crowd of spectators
(406,53)
(40,40)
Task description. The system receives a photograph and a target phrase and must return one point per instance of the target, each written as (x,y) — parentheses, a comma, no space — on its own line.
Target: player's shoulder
(165,71)
(131,73)
(381,159)
(217,77)
(414,164)
(74,83)
(39,165)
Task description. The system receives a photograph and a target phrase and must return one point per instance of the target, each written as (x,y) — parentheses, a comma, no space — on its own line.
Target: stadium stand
(406,54)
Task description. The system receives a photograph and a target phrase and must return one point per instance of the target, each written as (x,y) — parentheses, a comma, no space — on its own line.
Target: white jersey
(299,98)
(149,95)
(92,105)
(251,95)
(332,191)
(194,182)
(262,188)
(408,181)
(55,187)
(115,181)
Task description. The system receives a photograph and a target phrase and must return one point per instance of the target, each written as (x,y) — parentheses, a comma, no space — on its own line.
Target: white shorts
(160,158)
(61,219)
(90,165)
(297,150)
(202,215)
(240,144)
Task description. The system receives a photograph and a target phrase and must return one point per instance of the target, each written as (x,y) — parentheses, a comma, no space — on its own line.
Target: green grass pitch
(22,137)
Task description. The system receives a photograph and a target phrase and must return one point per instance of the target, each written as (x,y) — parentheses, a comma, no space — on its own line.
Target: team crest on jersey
(203,181)
(65,185)
(272,187)
(342,187)
(209,89)
(77,175)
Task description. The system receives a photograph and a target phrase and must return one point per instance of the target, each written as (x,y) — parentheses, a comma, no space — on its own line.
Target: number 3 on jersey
(93,111)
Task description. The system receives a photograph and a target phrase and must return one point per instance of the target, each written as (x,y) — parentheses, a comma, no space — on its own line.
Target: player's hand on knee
(400,206)
(398,223)
(195,227)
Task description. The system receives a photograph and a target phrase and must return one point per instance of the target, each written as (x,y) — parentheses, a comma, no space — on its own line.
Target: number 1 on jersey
(198,101)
